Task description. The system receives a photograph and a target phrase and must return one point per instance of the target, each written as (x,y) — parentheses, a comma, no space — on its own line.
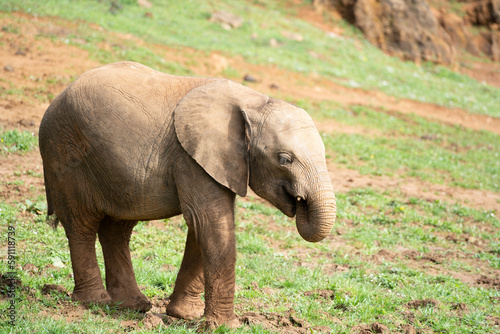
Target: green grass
(410,145)
(348,60)
(272,277)
(412,223)
(17,141)
(385,250)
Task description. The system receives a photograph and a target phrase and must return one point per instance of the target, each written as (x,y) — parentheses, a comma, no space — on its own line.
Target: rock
(483,12)
(405,28)
(8,68)
(455,27)
(227,20)
(489,44)
(249,78)
(21,52)
(412,30)
(144,3)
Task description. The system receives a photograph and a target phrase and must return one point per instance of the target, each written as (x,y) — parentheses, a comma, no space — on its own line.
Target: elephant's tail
(51,219)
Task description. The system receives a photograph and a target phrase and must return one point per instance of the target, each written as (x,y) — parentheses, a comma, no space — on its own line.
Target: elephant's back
(125,111)
(112,128)
(120,106)
(117,86)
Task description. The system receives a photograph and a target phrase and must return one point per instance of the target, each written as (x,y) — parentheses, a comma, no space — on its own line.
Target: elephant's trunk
(317,211)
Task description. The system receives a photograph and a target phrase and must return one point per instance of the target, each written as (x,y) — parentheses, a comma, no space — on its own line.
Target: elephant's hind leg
(81,234)
(114,237)
(185,301)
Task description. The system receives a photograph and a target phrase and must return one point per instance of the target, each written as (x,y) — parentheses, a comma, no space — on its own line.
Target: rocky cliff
(414,30)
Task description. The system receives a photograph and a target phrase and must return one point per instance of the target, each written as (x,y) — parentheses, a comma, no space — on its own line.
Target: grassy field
(346,59)
(394,263)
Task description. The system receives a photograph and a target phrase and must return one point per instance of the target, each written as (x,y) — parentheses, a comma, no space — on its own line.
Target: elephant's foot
(129,298)
(188,310)
(99,296)
(137,303)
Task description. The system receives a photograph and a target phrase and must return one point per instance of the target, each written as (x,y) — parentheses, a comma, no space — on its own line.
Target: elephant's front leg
(185,301)
(211,250)
(219,257)
(212,229)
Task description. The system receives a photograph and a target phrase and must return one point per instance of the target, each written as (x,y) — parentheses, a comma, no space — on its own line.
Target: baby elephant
(125,143)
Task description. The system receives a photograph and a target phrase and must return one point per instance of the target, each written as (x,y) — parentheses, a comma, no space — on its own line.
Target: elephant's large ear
(212,125)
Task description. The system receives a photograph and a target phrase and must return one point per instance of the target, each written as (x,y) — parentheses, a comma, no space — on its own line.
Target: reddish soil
(41,67)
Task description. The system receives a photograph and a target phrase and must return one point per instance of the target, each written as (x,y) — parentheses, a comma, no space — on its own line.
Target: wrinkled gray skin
(125,143)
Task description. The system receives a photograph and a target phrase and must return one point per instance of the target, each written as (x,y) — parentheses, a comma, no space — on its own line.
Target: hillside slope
(415,247)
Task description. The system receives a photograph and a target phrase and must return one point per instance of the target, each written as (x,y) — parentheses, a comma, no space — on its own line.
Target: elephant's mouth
(291,202)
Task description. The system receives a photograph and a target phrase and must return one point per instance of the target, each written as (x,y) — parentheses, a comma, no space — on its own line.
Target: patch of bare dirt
(151,321)
(484,72)
(347,179)
(416,304)
(316,88)
(490,282)
(288,323)
(408,329)
(370,329)
(385,255)
(67,311)
(318,18)
(41,59)
(321,294)
(285,84)
(38,67)
(436,263)
(461,307)
(495,321)
(48,289)
(21,176)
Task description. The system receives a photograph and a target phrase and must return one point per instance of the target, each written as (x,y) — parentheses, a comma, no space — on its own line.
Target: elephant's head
(242,137)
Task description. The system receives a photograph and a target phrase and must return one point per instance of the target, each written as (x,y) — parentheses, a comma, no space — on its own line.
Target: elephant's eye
(285,159)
